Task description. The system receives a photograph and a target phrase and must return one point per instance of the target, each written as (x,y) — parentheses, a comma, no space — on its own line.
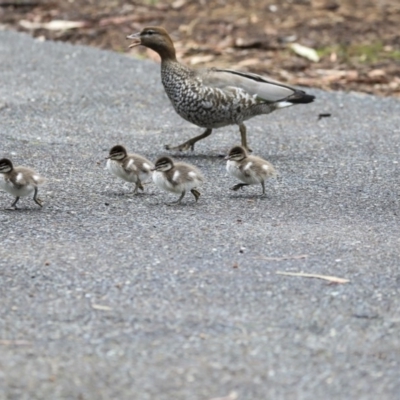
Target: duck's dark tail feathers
(301,98)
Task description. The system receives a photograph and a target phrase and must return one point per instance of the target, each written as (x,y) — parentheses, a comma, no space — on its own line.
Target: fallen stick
(100,307)
(298,257)
(333,279)
(5,342)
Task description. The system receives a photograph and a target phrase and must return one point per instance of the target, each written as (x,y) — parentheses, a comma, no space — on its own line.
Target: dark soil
(358,41)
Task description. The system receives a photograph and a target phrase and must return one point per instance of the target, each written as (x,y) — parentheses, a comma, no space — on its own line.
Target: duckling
(177,177)
(249,169)
(129,167)
(19,181)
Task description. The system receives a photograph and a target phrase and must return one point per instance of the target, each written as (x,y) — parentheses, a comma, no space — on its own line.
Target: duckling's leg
(263,188)
(36,199)
(178,201)
(14,205)
(138,185)
(196,194)
(190,143)
(239,186)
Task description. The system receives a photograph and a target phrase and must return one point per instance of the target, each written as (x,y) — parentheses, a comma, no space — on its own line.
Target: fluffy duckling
(211,97)
(19,181)
(129,167)
(249,169)
(177,177)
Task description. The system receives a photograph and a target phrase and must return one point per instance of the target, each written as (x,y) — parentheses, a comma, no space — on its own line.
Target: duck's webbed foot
(190,143)
(239,186)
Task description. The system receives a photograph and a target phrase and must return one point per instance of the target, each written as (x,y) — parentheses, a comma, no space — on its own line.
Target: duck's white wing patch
(131,166)
(192,174)
(19,178)
(283,104)
(147,166)
(266,167)
(37,179)
(248,165)
(176,176)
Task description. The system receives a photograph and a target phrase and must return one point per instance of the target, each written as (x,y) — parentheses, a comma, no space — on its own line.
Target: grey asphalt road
(109,296)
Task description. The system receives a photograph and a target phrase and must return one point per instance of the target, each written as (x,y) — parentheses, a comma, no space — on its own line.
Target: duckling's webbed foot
(39,202)
(174,203)
(36,199)
(195,193)
(190,143)
(239,186)
(14,204)
(138,185)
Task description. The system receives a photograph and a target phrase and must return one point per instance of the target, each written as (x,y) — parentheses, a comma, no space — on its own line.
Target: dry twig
(101,308)
(333,279)
(297,257)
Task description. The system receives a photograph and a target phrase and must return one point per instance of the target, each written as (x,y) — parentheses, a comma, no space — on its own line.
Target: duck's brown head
(155,38)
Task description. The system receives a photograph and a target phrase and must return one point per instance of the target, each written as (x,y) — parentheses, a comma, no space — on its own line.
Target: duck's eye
(150,33)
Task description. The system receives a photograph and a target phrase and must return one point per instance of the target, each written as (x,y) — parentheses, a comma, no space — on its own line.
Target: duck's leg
(36,199)
(14,205)
(239,186)
(178,201)
(196,194)
(243,136)
(190,143)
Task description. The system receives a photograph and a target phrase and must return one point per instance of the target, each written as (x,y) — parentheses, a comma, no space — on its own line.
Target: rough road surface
(109,296)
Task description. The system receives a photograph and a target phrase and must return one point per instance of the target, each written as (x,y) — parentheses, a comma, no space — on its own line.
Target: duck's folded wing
(267,89)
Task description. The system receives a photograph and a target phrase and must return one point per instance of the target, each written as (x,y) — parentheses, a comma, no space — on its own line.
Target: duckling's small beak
(136,39)
(226,158)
